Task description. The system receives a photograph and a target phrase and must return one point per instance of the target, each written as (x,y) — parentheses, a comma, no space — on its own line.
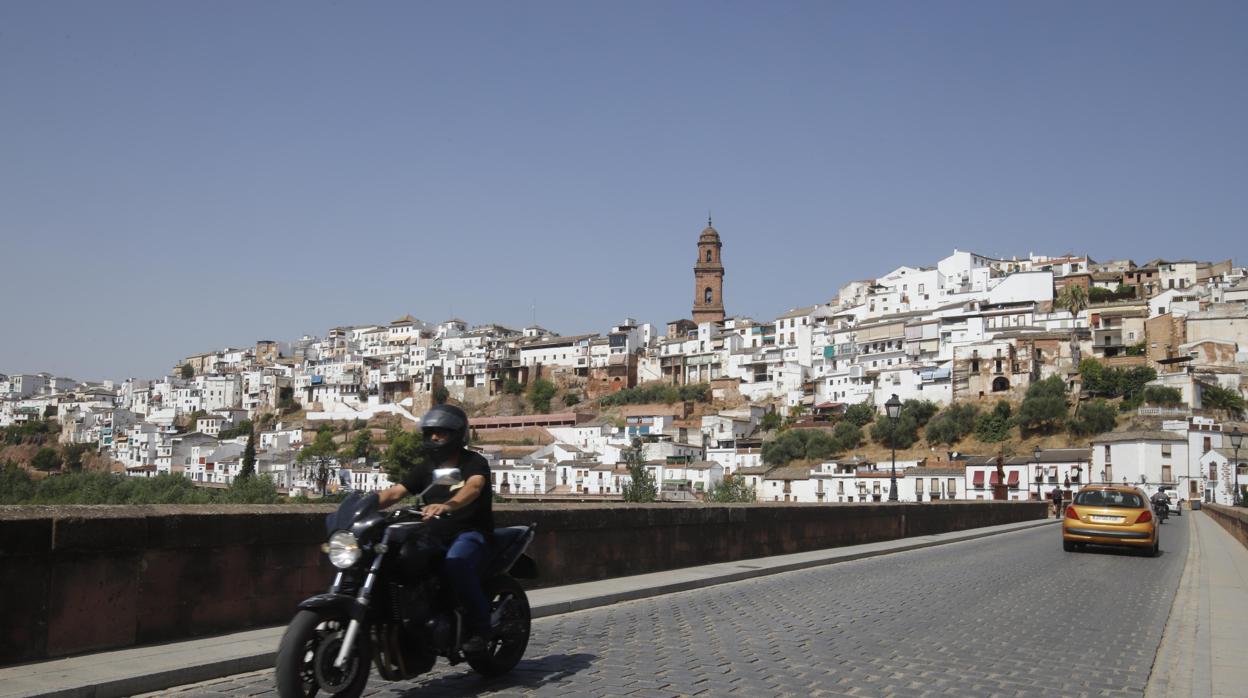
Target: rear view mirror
(443,480)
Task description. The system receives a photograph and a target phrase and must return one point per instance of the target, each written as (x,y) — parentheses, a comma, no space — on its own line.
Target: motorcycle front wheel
(506,647)
(305,658)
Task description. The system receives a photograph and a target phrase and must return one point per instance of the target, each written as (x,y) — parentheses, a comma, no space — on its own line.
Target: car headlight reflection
(344,550)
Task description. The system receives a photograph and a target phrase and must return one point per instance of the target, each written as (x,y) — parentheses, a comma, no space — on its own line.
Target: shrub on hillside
(1162,396)
(861,414)
(810,444)
(658,392)
(921,410)
(953,424)
(540,393)
(994,426)
(16,487)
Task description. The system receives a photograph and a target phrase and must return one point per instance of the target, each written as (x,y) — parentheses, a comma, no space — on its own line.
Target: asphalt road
(1009,615)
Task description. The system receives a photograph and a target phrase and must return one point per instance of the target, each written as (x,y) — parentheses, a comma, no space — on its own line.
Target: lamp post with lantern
(1039,477)
(893,408)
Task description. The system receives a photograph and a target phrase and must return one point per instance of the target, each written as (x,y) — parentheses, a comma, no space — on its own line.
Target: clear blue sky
(179,177)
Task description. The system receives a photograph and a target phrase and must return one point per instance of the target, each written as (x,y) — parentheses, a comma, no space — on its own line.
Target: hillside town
(968,328)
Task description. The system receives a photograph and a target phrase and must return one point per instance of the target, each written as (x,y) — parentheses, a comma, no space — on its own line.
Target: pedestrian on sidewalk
(1057,502)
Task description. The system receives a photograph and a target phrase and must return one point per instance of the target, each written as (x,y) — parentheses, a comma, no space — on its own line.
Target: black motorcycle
(1162,509)
(388,604)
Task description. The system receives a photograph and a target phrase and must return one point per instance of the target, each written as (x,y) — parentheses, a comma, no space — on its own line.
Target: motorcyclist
(469,522)
(1161,503)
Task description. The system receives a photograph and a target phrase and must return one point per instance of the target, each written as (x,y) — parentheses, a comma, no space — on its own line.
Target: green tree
(441,395)
(250,490)
(1074,298)
(1044,406)
(953,424)
(403,452)
(994,426)
(641,486)
(1097,294)
(1096,417)
(322,454)
(571,399)
(901,433)
(362,445)
(731,489)
(695,392)
(46,459)
(187,372)
(806,444)
(16,487)
(847,436)
(540,393)
(1223,400)
(74,453)
(771,421)
(511,386)
(921,410)
(1162,396)
(861,414)
(249,458)
(243,427)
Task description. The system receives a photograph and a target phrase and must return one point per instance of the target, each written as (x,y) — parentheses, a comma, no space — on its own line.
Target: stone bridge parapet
(86,578)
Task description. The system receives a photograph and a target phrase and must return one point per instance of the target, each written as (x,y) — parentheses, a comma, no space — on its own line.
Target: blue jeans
(461,569)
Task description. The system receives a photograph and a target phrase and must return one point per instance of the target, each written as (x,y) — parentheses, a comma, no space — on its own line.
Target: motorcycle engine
(414,602)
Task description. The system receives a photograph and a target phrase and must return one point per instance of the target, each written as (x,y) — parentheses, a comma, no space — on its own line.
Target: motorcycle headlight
(344,550)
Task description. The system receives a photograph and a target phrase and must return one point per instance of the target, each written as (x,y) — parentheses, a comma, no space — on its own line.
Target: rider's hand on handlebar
(432,510)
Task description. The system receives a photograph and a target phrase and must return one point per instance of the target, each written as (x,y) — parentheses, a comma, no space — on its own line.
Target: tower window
(707,295)
(708,255)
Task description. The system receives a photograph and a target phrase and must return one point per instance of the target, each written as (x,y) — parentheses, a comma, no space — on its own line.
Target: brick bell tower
(708,278)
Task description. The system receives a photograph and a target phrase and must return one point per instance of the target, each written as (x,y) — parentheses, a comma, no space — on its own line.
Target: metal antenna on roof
(708,218)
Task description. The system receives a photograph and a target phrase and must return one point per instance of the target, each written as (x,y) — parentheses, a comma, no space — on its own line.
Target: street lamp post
(893,408)
(1038,476)
(1236,439)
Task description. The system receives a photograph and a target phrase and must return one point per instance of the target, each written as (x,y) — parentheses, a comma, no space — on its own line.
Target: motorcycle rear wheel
(506,648)
(306,655)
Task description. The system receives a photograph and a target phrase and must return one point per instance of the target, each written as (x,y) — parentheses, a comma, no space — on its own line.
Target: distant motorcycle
(1161,507)
(388,605)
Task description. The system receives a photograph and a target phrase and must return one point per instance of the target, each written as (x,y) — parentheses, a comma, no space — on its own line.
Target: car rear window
(1109,498)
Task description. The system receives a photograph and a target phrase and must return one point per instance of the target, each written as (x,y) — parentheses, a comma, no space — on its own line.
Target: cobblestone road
(1009,615)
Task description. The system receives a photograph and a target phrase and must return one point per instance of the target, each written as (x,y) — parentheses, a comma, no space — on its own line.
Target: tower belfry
(708,277)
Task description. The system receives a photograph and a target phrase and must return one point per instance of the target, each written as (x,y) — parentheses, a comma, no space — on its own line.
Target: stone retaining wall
(84,578)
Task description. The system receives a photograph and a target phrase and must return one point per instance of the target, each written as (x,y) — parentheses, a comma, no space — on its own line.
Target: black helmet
(449,418)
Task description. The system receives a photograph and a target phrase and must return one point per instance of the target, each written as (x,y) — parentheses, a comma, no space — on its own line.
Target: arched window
(1000,384)
(708,255)
(707,295)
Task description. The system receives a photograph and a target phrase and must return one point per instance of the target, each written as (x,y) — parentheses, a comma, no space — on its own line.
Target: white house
(1146,458)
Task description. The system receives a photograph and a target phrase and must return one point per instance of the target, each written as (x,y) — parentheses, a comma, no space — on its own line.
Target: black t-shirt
(477,516)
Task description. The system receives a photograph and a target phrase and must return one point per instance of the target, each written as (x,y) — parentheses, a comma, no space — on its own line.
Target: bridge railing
(1233,519)
(86,578)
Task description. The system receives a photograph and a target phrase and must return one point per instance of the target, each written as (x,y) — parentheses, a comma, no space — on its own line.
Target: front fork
(361,601)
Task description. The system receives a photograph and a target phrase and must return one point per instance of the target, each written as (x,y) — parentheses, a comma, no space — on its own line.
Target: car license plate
(1106,519)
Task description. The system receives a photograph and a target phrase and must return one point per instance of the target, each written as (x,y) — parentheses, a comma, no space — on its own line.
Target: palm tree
(1224,400)
(1073,298)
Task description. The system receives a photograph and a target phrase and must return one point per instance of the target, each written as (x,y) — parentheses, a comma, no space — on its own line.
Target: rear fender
(524,567)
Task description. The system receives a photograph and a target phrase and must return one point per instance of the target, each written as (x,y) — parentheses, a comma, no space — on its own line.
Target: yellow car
(1111,515)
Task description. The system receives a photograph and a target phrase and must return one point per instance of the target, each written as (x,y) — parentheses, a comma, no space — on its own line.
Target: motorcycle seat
(504,538)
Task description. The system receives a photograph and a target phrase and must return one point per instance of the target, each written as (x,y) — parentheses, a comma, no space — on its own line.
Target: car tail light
(1145,517)
(1071,513)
